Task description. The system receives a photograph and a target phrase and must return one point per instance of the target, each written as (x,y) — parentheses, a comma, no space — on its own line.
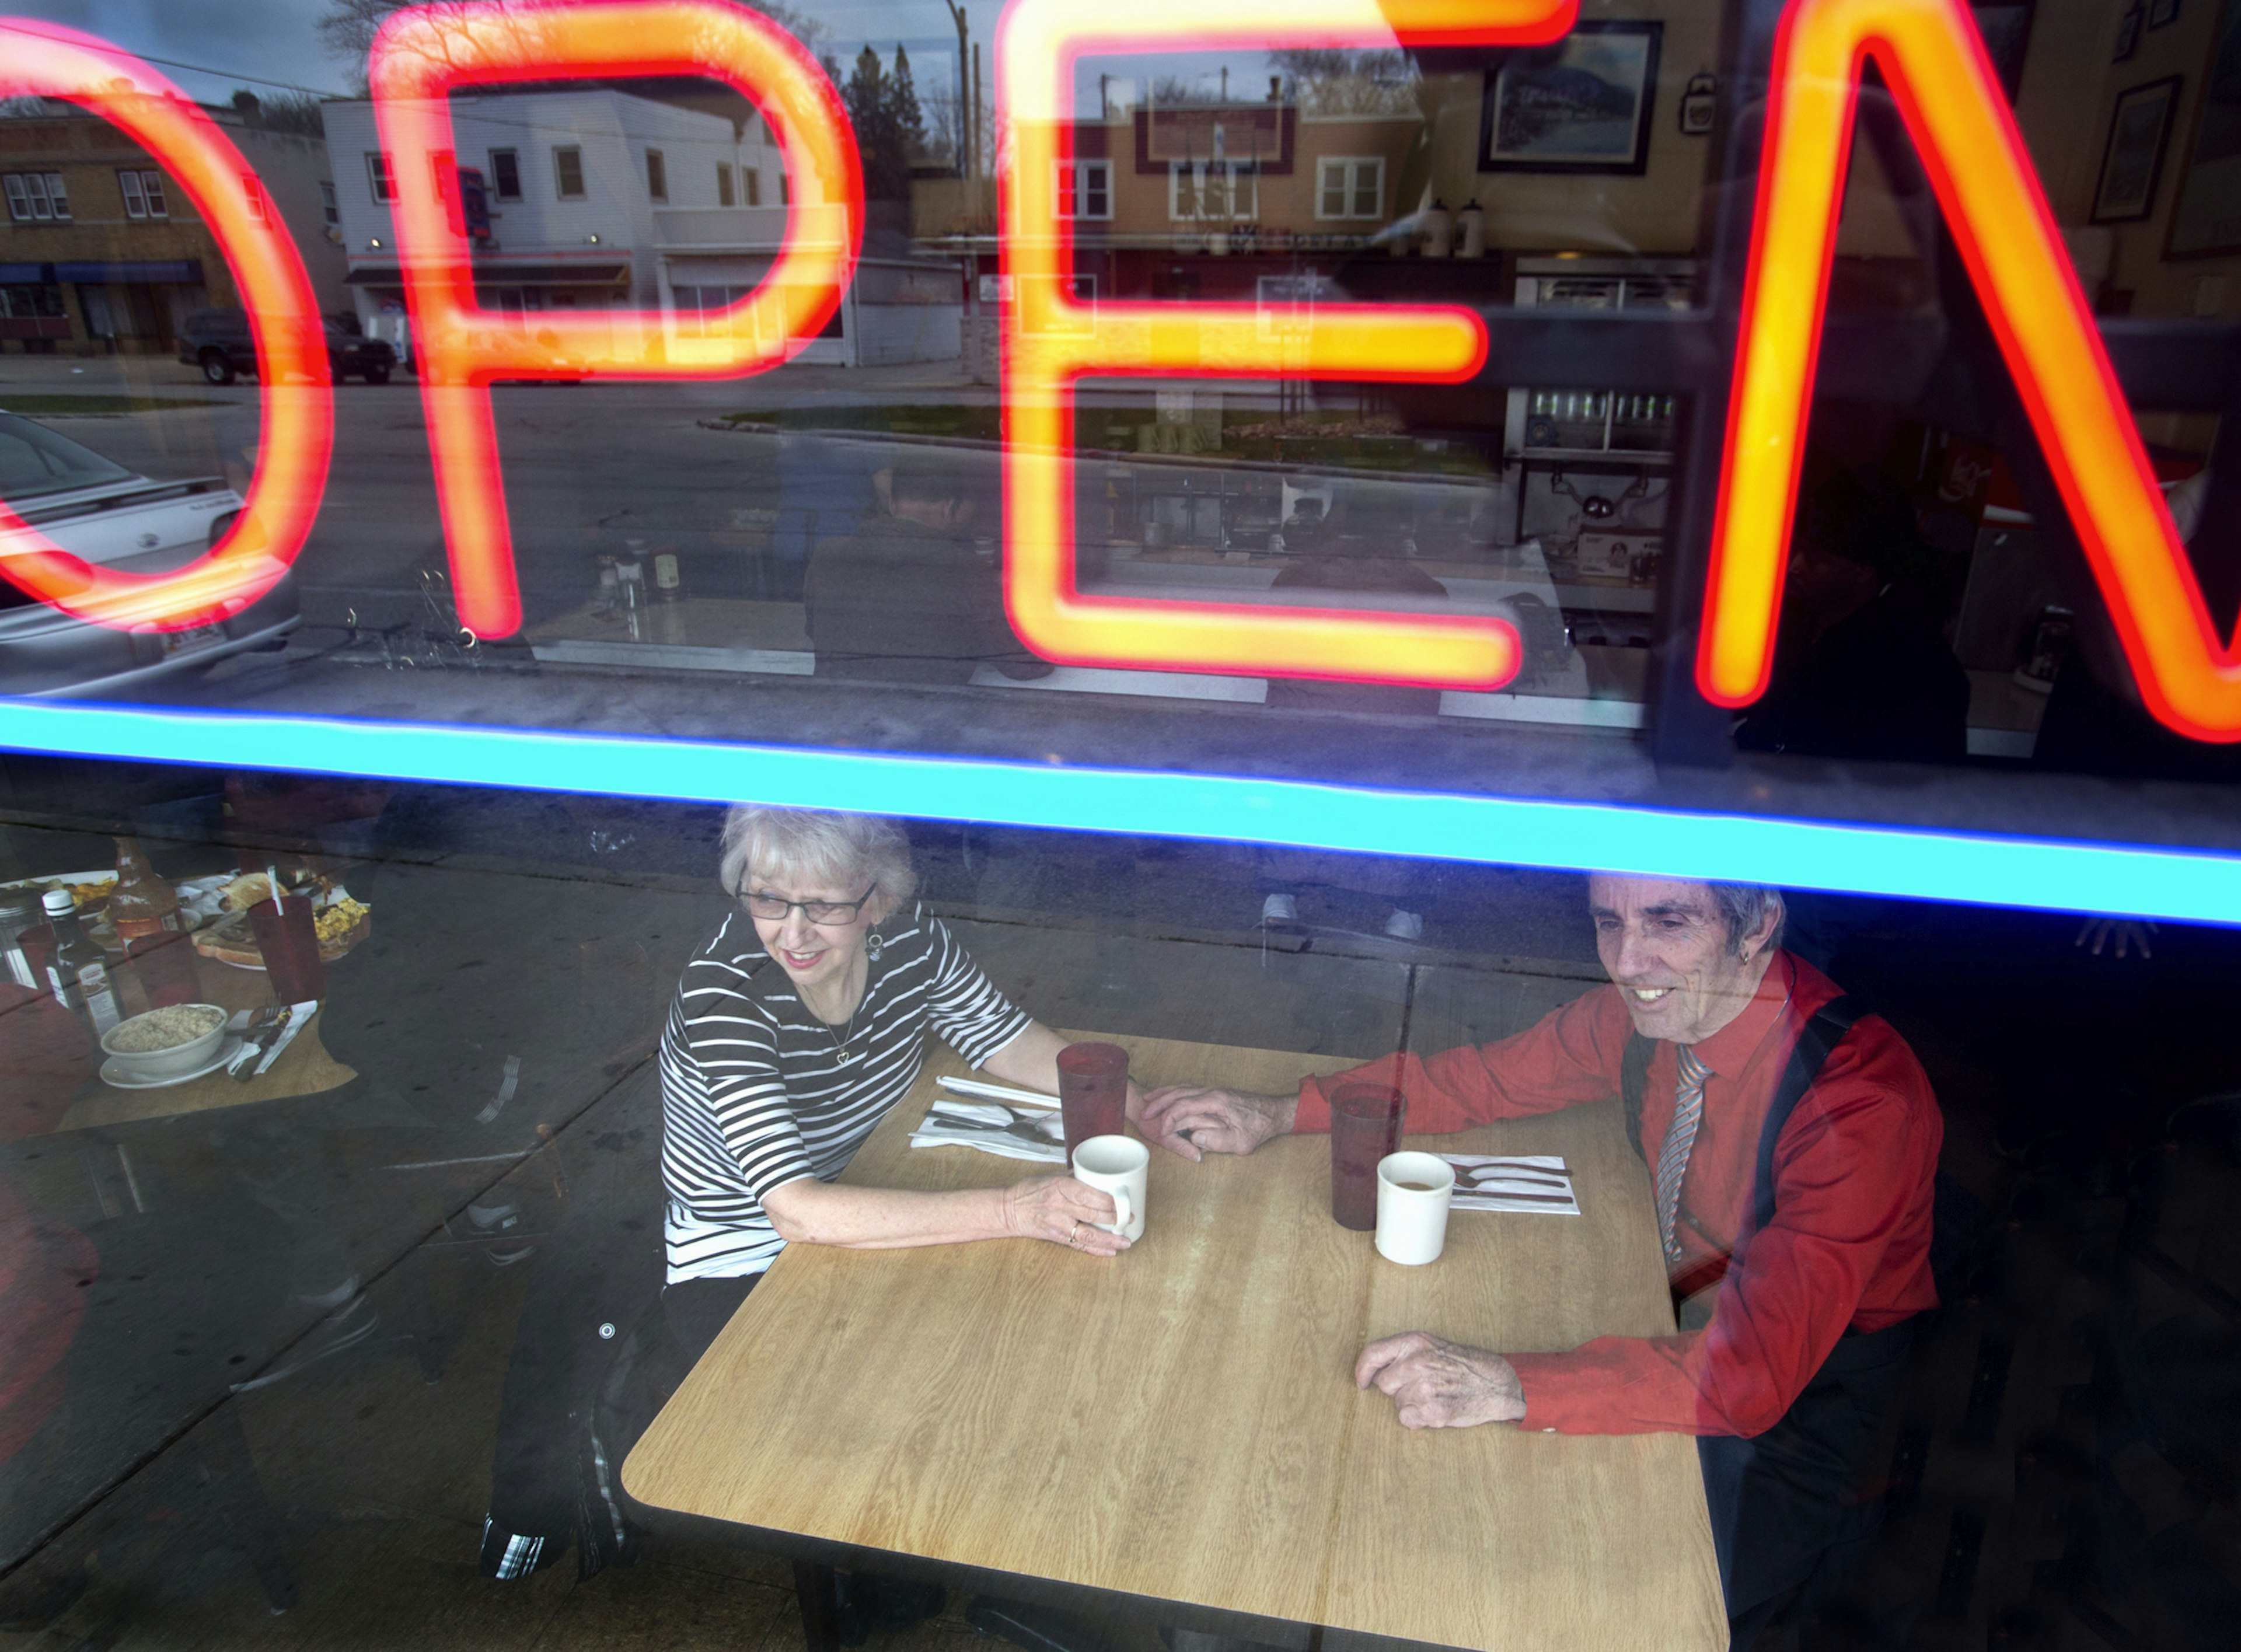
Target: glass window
(36,197)
(1085,190)
(36,461)
(1265,515)
(1350,188)
(1213,191)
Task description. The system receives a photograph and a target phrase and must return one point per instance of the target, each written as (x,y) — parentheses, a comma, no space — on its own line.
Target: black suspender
(1822,1035)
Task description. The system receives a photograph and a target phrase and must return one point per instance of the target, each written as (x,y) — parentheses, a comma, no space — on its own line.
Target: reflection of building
(1201,200)
(600,199)
(101,251)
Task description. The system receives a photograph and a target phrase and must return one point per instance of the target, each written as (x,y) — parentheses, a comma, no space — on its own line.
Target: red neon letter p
(422,53)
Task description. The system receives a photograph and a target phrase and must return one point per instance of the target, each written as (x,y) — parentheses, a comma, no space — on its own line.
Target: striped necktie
(1680,1136)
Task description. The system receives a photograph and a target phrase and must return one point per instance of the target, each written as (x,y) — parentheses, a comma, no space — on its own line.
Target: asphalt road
(586,465)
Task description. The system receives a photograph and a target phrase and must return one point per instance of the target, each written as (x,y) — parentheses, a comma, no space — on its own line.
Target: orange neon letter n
(1051,339)
(420,54)
(1934,63)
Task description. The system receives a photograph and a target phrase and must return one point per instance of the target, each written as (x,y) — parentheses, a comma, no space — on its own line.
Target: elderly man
(1791,1141)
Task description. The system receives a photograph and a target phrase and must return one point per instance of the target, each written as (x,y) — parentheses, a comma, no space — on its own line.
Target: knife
(293,1022)
(263,1027)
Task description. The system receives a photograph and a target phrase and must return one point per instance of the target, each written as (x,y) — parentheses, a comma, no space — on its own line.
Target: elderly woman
(795,1028)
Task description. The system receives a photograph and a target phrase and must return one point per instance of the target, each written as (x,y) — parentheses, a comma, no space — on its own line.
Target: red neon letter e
(1934,63)
(45,60)
(422,53)
(1051,339)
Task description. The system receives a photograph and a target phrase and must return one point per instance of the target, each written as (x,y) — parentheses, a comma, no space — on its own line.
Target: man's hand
(1434,1384)
(1194,1120)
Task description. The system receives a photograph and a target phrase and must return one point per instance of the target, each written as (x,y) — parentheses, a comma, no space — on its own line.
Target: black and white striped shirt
(756,1091)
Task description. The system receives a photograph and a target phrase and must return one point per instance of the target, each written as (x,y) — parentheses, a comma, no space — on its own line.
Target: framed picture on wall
(2132,159)
(2207,215)
(2004,26)
(1581,105)
(2128,35)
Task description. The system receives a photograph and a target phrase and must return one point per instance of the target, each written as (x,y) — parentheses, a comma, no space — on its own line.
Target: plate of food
(90,890)
(342,921)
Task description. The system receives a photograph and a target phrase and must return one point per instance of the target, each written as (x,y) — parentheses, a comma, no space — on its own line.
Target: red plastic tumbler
(1365,1127)
(165,964)
(290,945)
(1092,1092)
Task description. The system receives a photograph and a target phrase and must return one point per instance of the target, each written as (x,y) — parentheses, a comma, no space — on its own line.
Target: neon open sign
(1928,51)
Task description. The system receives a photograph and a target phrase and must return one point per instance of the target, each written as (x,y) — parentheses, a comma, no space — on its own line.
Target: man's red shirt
(1849,1245)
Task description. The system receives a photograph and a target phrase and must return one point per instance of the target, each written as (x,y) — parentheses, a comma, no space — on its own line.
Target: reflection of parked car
(218,342)
(100,511)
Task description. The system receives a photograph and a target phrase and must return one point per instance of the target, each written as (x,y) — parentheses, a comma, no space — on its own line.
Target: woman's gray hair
(798,846)
(1744,907)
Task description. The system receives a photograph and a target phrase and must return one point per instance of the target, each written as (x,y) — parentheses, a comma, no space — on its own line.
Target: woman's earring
(873,944)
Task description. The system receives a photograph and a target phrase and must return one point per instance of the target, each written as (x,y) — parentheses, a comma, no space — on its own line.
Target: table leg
(818,1593)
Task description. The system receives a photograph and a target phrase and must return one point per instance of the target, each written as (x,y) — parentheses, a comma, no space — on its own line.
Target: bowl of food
(166,1043)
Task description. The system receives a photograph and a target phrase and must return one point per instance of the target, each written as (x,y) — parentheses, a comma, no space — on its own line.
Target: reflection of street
(586,465)
(668,527)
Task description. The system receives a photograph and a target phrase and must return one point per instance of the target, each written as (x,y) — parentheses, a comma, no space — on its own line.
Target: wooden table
(304,1068)
(1181,1424)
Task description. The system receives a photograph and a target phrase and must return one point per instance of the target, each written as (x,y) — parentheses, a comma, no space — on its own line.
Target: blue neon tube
(2051,873)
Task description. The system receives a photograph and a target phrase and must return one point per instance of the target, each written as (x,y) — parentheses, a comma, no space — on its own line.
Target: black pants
(1790,1513)
(695,1312)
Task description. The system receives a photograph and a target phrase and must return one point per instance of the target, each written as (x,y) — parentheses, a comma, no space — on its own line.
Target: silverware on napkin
(263,1029)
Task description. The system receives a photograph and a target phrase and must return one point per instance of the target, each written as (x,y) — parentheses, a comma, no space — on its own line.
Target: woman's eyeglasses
(764,904)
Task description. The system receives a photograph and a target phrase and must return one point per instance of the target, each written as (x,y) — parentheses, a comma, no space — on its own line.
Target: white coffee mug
(1413,1191)
(1118,1166)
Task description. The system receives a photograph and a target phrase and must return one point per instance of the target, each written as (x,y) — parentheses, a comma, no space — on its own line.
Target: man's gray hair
(1744,907)
(801,847)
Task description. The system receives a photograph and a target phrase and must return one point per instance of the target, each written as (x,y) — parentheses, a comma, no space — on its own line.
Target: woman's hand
(1062,1210)
(1193,1119)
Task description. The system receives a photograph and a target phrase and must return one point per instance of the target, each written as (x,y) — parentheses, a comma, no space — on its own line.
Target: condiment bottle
(17,914)
(142,904)
(76,973)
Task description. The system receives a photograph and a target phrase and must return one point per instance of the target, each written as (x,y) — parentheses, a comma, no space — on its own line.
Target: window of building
(725,196)
(505,174)
(37,198)
(755,182)
(1350,187)
(1085,190)
(784,190)
(253,189)
(1219,190)
(144,194)
(379,174)
(568,172)
(329,207)
(656,175)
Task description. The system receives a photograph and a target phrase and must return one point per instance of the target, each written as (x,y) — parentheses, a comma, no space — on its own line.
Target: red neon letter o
(48,60)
